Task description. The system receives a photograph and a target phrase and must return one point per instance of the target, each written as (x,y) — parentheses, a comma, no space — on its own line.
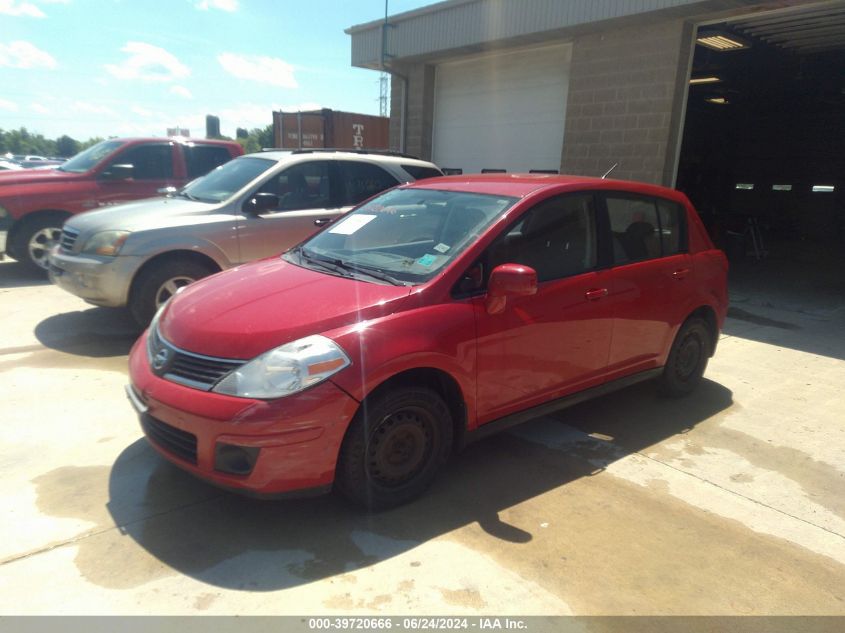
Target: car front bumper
(103,281)
(284,447)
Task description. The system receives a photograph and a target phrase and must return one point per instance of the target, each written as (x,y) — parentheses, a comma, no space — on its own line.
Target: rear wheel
(687,359)
(394,447)
(33,241)
(157,284)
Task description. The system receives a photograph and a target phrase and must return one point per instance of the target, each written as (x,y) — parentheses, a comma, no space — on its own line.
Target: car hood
(36,176)
(248,310)
(151,213)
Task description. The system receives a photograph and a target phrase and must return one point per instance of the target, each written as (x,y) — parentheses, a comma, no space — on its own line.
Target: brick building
(710,96)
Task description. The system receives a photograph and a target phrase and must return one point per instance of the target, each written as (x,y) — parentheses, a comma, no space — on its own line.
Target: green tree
(66,146)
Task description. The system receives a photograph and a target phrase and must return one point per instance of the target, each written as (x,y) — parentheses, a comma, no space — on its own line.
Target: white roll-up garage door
(502,111)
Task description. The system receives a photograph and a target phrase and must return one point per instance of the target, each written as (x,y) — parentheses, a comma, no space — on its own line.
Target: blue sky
(135,67)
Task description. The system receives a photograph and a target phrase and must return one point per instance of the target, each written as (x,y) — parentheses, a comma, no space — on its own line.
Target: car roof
(319,154)
(521,185)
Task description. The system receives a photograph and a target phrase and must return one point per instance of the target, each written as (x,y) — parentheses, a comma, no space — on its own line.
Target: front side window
(557,238)
(86,159)
(222,183)
(149,162)
(303,186)
(404,236)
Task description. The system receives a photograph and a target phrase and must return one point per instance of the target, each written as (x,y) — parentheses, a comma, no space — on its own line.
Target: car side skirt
(515,419)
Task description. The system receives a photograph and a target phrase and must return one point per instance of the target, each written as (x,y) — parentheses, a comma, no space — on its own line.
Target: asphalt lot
(729,502)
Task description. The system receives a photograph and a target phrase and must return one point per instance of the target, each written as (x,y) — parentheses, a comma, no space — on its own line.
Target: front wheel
(394,447)
(687,359)
(33,242)
(157,284)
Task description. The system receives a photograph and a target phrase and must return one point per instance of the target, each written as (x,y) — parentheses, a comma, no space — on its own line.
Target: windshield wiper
(341,266)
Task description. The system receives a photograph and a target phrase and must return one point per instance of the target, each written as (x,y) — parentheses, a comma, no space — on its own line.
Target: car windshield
(223,182)
(86,159)
(404,236)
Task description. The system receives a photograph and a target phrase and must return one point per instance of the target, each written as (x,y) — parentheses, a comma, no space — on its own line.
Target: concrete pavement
(728,502)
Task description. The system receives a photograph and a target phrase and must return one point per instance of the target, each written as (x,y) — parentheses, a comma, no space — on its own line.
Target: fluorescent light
(748,186)
(704,80)
(718,100)
(823,188)
(720,41)
(781,187)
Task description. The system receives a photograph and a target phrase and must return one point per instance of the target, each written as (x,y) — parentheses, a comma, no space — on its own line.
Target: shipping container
(328,128)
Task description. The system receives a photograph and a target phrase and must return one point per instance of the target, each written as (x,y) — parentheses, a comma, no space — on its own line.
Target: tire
(394,447)
(32,242)
(157,284)
(687,359)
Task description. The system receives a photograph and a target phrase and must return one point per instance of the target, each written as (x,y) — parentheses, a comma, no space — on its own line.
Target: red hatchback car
(433,313)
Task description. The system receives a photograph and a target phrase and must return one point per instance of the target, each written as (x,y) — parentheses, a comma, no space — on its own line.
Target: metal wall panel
(467,23)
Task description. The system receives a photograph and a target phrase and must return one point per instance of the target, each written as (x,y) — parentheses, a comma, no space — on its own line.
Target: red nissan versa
(434,313)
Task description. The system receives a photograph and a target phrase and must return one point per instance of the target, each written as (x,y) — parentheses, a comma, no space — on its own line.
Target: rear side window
(149,162)
(201,159)
(303,186)
(421,173)
(363,180)
(644,228)
(672,227)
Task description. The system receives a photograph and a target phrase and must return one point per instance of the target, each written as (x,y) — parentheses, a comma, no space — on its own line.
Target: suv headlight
(106,243)
(286,370)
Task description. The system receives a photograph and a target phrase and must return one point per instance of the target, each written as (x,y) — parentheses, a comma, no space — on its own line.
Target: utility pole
(383,82)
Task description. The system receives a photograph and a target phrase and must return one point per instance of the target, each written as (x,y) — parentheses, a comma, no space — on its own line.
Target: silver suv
(139,254)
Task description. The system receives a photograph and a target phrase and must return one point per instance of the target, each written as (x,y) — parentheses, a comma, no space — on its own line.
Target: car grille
(187,368)
(68,239)
(176,441)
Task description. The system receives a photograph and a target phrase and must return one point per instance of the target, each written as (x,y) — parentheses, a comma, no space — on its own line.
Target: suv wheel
(394,447)
(687,359)
(33,241)
(157,284)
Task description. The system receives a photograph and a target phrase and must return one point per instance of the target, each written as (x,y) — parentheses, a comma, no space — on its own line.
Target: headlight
(106,243)
(286,370)
(3,212)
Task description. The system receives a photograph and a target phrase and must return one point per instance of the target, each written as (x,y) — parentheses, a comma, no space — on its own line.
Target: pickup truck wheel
(157,284)
(394,447)
(33,241)
(687,359)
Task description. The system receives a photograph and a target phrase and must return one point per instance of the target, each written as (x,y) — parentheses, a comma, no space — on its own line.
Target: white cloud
(9,106)
(39,108)
(20,54)
(269,70)
(87,107)
(224,5)
(19,8)
(181,91)
(142,111)
(148,63)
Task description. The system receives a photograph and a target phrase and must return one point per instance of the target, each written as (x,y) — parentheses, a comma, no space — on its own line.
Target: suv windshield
(224,181)
(404,236)
(86,159)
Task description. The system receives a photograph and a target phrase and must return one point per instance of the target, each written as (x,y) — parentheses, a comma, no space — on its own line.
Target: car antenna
(607,173)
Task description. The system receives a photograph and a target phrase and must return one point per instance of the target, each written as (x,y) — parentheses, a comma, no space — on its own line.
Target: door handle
(322,221)
(681,274)
(595,293)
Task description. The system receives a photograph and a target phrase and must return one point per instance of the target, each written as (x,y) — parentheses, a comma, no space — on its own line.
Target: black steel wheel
(394,447)
(687,359)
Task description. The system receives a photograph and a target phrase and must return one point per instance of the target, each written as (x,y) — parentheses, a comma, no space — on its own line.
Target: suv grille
(187,368)
(181,443)
(68,238)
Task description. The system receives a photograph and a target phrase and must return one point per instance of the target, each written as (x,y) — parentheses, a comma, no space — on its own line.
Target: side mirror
(118,172)
(509,280)
(261,202)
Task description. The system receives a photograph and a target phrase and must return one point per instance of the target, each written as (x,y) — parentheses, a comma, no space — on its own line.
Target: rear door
(651,270)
